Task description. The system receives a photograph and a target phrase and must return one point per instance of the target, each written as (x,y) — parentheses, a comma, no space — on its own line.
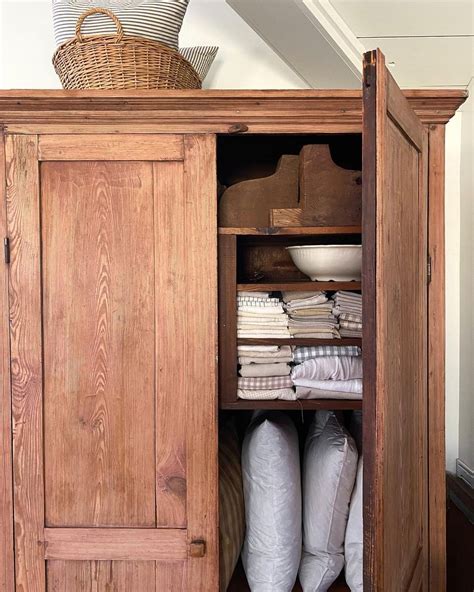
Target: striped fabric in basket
(200,58)
(158,20)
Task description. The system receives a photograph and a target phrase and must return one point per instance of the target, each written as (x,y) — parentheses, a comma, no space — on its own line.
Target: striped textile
(301,354)
(351,325)
(286,394)
(231,503)
(264,382)
(350,317)
(158,20)
(200,58)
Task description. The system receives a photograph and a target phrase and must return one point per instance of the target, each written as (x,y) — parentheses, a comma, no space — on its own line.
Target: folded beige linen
(280,369)
(243,360)
(287,394)
(263,351)
(290,295)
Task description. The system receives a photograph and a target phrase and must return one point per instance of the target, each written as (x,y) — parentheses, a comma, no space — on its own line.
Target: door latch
(197,548)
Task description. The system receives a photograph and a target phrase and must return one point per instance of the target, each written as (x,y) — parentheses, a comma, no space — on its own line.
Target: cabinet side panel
(7,566)
(436,361)
(98,327)
(23,218)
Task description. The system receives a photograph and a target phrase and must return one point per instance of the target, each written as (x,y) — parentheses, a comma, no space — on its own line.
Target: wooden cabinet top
(207,111)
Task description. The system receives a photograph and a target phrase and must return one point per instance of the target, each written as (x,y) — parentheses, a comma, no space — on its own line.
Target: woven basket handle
(91,11)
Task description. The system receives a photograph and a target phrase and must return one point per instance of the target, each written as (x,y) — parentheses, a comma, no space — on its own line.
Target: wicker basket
(120,61)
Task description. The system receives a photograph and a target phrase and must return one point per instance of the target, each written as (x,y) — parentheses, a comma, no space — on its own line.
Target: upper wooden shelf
(298,405)
(299,341)
(299,230)
(299,286)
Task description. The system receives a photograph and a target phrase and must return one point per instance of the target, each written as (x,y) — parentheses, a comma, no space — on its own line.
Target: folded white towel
(263,310)
(303,392)
(256,350)
(329,368)
(342,386)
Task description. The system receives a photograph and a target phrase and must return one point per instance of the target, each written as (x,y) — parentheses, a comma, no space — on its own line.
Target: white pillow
(329,471)
(353,547)
(158,20)
(200,58)
(272,493)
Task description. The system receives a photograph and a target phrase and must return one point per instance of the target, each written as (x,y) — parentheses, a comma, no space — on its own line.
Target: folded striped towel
(302,354)
(264,382)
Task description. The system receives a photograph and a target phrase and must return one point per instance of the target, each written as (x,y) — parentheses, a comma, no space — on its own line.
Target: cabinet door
(395,336)
(112,298)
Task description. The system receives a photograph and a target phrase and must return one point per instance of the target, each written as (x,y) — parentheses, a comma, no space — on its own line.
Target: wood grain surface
(98,327)
(395,378)
(23,213)
(201,367)
(7,566)
(171,343)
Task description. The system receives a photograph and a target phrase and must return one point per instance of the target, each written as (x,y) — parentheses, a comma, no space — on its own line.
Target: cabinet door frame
(390,124)
(191,548)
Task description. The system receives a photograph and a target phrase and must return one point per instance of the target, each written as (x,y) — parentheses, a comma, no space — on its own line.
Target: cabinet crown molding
(205,111)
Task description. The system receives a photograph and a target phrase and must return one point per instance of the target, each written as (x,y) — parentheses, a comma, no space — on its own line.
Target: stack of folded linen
(328,372)
(265,372)
(259,316)
(311,315)
(348,307)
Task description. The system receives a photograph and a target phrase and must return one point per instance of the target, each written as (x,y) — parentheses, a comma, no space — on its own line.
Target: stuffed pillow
(272,493)
(200,58)
(329,472)
(158,20)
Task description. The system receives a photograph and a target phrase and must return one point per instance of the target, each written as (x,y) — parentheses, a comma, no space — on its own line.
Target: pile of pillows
(157,20)
(307,525)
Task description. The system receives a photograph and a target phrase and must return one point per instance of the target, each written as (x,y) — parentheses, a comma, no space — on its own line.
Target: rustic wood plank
(395,353)
(171,343)
(23,215)
(300,404)
(119,544)
(300,286)
(297,230)
(301,341)
(436,362)
(171,577)
(7,565)
(227,319)
(98,576)
(399,110)
(206,111)
(98,326)
(127,147)
(201,368)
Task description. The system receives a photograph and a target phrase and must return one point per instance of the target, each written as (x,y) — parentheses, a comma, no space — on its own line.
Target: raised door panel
(113,318)
(395,345)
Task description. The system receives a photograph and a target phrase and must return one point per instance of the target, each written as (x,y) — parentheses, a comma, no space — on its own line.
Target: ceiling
(430,43)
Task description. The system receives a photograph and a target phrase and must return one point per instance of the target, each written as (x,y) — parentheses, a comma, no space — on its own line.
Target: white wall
(453,248)
(243,61)
(466,362)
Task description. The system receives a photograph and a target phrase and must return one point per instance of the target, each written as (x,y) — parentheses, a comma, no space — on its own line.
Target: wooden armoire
(109,333)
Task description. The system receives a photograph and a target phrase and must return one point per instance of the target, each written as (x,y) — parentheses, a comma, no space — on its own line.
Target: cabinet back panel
(98,339)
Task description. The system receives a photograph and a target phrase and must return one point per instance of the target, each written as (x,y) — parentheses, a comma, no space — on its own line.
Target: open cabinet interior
(275,192)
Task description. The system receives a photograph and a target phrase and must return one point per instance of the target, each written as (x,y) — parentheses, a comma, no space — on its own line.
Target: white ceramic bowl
(341,263)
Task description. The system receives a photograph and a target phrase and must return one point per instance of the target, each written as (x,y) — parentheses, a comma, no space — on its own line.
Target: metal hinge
(6,250)
(428,270)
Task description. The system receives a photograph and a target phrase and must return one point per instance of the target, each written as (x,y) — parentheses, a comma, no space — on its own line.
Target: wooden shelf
(299,230)
(299,286)
(300,404)
(300,341)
